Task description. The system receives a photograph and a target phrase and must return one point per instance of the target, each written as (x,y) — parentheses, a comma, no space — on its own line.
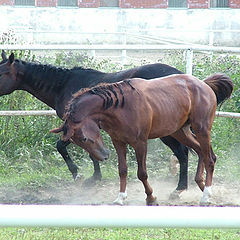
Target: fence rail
(118,216)
(124,47)
(117,47)
(53,113)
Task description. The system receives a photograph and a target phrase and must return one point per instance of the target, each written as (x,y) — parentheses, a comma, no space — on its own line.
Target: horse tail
(222,86)
(67,132)
(57,130)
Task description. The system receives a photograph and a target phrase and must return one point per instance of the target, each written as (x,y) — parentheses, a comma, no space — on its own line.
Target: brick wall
(89,3)
(44,3)
(128,3)
(143,3)
(234,3)
(6,2)
(198,3)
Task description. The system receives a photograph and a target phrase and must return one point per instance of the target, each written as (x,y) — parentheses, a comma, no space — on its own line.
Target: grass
(117,234)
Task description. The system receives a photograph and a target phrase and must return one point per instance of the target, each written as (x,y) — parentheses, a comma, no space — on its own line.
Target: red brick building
(126,3)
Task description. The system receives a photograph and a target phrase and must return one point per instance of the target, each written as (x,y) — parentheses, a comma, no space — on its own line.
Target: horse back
(170,101)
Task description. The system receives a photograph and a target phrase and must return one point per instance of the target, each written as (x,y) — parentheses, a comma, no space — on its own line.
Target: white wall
(190,25)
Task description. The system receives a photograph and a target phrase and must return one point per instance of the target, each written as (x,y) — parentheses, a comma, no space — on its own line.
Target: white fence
(53,113)
(124,47)
(119,216)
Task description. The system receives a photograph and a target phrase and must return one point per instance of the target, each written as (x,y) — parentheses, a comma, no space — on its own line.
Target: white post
(93,53)
(211,37)
(189,61)
(124,52)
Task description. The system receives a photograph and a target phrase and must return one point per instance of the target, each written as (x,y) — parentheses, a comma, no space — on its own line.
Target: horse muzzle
(103,154)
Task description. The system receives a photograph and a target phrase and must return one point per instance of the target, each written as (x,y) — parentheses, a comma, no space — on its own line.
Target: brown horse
(133,111)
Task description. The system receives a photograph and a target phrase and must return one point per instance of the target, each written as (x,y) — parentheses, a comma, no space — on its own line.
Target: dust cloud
(106,191)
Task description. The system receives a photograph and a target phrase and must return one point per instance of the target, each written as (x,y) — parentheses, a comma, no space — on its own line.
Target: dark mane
(104,91)
(45,76)
(49,77)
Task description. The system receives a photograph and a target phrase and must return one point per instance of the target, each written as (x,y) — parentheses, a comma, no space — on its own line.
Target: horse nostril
(107,152)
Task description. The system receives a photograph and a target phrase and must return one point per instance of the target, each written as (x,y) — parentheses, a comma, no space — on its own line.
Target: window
(219,3)
(177,3)
(25,2)
(67,3)
(109,3)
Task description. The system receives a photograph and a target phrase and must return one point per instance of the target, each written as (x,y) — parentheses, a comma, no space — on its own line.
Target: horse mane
(45,76)
(50,77)
(103,90)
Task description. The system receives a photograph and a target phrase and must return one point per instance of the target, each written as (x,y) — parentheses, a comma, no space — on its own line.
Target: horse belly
(165,122)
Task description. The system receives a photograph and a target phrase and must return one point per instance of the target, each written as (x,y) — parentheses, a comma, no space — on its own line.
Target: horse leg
(201,144)
(209,160)
(181,152)
(97,175)
(186,137)
(121,149)
(61,147)
(141,153)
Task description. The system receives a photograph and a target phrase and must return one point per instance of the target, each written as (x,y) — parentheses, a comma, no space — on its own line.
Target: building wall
(98,25)
(128,3)
(143,3)
(198,3)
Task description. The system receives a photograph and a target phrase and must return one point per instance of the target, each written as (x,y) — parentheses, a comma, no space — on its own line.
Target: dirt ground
(105,192)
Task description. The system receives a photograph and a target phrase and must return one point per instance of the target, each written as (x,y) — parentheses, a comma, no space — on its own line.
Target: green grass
(117,234)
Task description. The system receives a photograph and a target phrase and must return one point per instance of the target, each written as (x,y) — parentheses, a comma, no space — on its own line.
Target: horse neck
(43,82)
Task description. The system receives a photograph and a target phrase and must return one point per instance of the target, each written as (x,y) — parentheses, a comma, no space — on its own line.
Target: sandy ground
(105,192)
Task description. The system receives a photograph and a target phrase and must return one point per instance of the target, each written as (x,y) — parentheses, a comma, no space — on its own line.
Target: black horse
(55,87)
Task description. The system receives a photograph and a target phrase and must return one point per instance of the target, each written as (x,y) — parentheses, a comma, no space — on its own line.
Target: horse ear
(4,57)
(19,67)
(11,58)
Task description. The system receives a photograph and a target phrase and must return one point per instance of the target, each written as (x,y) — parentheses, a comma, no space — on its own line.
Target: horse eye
(84,140)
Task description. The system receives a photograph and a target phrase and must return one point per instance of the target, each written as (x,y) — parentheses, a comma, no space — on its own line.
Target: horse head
(85,134)
(10,69)
(91,140)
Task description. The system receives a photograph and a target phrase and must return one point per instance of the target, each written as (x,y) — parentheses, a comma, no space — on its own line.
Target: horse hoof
(152,202)
(207,193)
(75,175)
(89,182)
(121,197)
(78,178)
(175,195)
(118,202)
(205,201)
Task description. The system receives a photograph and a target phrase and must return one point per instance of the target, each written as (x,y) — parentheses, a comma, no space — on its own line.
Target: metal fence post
(124,52)
(189,61)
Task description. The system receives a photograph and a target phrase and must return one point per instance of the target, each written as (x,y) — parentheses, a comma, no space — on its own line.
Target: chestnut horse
(54,86)
(135,110)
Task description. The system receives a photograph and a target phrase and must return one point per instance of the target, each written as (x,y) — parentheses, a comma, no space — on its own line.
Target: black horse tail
(222,86)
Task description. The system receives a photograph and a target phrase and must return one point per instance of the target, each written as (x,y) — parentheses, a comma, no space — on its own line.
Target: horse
(135,110)
(54,86)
